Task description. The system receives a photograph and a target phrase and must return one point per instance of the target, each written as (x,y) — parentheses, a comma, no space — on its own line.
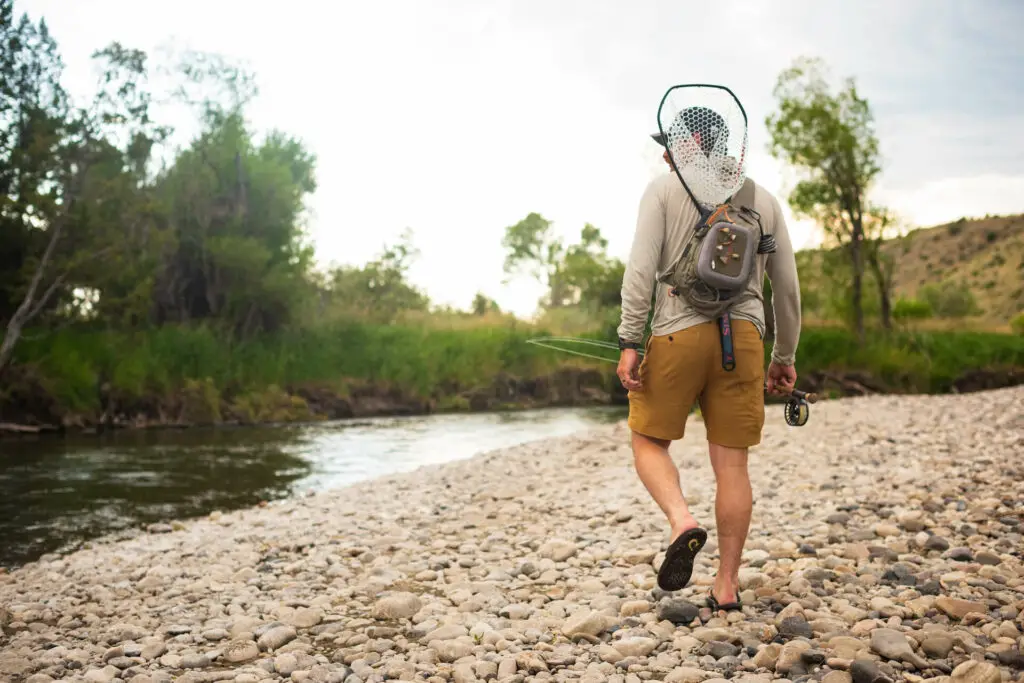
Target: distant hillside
(984,255)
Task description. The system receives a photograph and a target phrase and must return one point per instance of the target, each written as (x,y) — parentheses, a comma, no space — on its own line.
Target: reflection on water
(56,493)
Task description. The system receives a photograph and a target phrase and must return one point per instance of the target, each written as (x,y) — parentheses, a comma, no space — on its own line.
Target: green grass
(425,359)
(922,361)
(414,358)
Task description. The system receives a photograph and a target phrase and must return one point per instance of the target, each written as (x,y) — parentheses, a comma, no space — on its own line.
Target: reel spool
(797,412)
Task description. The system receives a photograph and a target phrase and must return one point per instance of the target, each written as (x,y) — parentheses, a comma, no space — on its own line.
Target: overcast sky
(456,118)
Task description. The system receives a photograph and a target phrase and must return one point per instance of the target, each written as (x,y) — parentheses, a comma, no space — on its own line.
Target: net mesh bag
(704,129)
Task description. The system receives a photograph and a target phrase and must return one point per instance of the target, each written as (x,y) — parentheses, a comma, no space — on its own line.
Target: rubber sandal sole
(677,568)
(727,607)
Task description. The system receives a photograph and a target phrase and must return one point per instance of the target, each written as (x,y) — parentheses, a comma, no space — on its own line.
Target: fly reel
(798,409)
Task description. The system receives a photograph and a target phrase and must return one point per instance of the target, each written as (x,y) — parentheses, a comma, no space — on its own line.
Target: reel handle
(810,397)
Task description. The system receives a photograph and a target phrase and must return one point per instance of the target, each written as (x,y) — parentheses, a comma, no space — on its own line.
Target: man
(683,365)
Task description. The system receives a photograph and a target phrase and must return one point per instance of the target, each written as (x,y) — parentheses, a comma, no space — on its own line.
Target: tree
(531,246)
(879,223)
(581,274)
(830,138)
(380,290)
(237,253)
(57,166)
(483,304)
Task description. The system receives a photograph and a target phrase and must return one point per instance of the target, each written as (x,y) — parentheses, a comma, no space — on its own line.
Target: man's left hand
(628,370)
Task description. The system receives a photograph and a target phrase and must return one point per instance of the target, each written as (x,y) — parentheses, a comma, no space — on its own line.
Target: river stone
(958,609)
(972,671)
(635,646)
(276,638)
(558,550)
(867,671)
(585,623)
(396,606)
(795,627)
(677,610)
(837,677)
(937,646)
(238,651)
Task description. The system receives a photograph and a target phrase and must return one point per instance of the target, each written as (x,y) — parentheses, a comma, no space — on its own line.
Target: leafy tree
(67,189)
(482,305)
(830,138)
(380,290)
(234,207)
(531,247)
(581,274)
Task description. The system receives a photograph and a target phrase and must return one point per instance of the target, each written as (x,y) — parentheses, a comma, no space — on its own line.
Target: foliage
(93,234)
(1017,324)
(949,299)
(580,274)
(378,290)
(482,305)
(416,358)
(830,139)
(213,374)
(912,309)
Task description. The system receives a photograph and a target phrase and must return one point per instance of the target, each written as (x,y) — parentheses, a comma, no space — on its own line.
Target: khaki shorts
(684,368)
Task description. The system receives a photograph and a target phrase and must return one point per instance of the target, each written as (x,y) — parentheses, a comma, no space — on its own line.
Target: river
(56,493)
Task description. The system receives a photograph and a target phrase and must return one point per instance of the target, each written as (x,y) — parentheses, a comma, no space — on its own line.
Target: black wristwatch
(623,344)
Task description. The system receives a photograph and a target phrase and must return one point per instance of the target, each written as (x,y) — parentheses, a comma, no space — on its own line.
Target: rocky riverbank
(886,545)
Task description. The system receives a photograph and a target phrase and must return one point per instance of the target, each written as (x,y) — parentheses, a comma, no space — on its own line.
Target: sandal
(728,606)
(675,571)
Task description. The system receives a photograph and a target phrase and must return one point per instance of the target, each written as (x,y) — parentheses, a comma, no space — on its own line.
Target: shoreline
(537,562)
(305,405)
(199,405)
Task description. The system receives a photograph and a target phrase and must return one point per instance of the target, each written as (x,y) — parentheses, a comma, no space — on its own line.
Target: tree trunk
(30,307)
(11,337)
(883,292)
(856,256)
(884,280)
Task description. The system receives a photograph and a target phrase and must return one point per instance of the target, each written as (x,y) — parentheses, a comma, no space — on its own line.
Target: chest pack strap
(744,197)
(725,333)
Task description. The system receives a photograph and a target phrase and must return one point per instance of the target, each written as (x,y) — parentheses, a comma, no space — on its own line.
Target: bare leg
(733,504)
(661,477)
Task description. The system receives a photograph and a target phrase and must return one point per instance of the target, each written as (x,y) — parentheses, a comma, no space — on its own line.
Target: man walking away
(683,364)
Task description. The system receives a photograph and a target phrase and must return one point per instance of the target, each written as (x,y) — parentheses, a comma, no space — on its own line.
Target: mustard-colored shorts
(684,368)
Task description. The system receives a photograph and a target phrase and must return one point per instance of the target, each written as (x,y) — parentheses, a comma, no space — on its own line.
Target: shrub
(1017,323)
(911,309)
(950,299)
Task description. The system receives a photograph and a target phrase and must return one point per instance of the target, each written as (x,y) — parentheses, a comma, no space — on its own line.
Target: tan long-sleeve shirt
(666,220)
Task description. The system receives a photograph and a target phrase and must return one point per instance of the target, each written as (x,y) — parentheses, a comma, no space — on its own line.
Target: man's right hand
(781,378)
(629,364)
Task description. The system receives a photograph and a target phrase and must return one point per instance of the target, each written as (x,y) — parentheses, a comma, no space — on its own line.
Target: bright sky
(456,118)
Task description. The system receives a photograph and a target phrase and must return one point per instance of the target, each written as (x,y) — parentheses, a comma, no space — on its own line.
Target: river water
(56,493)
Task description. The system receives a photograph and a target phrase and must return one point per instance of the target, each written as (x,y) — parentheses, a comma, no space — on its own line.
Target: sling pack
(719,259)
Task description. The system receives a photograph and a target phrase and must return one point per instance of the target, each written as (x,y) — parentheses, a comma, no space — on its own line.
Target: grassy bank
(921,361)
(195,374)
